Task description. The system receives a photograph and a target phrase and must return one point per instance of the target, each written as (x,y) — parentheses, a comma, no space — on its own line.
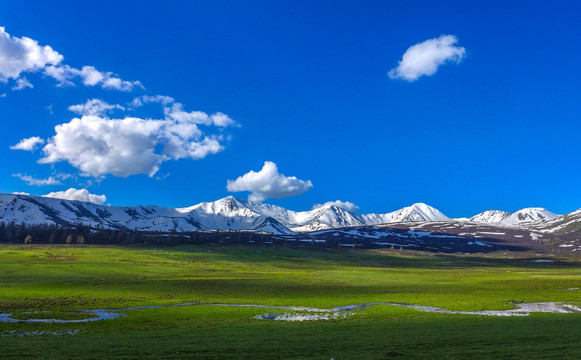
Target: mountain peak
(529,216)
(490,216)
(232,213)
(418,212)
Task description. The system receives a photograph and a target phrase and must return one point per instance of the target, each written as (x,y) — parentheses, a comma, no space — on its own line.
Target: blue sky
(304,87)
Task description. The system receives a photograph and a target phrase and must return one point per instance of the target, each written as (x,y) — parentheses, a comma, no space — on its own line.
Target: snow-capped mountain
(224,214)
(228,213)
(490,216)
(522,218)
(328,217)
(416,212)
(528,216)
(333,217)
(565,224)
(231,213)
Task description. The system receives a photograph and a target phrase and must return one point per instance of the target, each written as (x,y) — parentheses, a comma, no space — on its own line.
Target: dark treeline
(12,233)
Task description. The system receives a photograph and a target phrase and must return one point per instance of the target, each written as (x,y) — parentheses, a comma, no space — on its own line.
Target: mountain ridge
(231,213)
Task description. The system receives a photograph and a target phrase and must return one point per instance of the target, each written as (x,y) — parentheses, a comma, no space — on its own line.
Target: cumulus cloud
(22,83)
(28,144)
(268,183)
(424,58)
(18,55)
(90,76)
(94,107)
(98,145)
(347,205)
(32,181)
(78,194)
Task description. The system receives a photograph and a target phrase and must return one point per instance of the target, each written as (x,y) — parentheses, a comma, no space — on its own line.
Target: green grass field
(53,280)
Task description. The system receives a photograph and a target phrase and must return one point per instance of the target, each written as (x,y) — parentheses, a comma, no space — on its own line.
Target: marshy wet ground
(296,313)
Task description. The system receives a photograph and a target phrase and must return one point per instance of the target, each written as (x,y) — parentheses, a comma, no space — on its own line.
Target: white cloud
(268,183)
(176,112)
(424,58)
(78,194)
(98,145)
(94,107)
(21,55)
(347,205)
(146,99)
(90,76)
(62,74)
(37,182)
(18,55)
(20,193)
(161,99)
(22,83)
(28,144)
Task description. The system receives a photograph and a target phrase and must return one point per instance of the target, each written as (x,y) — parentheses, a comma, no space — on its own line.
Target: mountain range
(231,213)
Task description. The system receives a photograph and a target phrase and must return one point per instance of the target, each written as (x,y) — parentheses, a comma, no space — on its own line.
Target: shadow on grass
(324,257)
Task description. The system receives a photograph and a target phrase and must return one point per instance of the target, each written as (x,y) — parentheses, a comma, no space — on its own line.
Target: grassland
(57,279)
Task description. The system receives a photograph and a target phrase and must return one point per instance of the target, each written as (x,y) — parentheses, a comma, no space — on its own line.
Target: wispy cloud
(21,84)
(25,55)
(90,76)
(94,107)
(268,183)
(426,57)
(32,181)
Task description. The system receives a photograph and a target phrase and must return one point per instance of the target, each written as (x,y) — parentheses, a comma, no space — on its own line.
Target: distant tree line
(13,233)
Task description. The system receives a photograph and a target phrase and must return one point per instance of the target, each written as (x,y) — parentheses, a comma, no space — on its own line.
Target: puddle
(40,332)
(97,314)
(309,314)
(303,316)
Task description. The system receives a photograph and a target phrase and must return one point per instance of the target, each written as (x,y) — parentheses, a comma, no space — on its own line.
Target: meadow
(50,281)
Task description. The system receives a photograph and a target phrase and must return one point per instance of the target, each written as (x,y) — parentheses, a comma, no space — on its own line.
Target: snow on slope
(565,224)
(528,216)
(231,213)
(329,217)
(228,213)
(416,212)
(41,210)
(490,216)
(332,217)
(221,215)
